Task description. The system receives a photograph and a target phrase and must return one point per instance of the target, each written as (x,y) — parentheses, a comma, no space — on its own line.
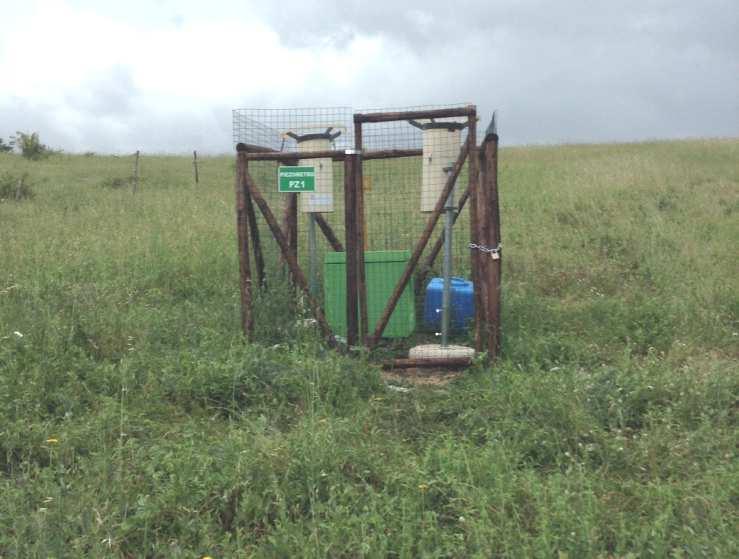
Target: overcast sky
(163,75)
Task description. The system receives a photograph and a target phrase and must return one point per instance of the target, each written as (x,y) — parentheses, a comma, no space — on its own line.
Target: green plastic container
(383,269)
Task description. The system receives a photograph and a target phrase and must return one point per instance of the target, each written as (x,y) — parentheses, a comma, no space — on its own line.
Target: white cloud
(87,71)
(163,76)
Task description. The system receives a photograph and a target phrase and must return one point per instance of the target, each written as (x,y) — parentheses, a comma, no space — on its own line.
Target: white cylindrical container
(322,200)
(440,150)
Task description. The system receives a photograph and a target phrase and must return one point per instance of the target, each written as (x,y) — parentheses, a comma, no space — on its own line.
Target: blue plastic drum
(463,304)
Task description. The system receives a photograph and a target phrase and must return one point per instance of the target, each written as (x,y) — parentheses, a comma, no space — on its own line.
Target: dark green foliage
(30,146)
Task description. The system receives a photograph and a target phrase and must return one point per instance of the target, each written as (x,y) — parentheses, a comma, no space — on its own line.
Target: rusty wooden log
(450,363)
(489,184)
(413,115)
(257,153)
(328,233)
(390,153)
(420,246)
(290,156)
(292,262)
(352,258)
(242,236)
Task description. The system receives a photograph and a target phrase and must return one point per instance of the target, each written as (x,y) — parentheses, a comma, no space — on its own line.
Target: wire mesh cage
(404,200)
(295,131)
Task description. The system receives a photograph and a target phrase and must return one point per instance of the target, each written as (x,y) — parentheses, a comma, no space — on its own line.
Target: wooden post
(195,165)
(413,115)
(328,233)
(242,235)
(250,214)
(292,262)
(260,153)
(18,189)
(361,234)
(420,246)
(352,260)
(473,173)
(483,263)
(136,172)
(255,239)
(489,185)
(291,223)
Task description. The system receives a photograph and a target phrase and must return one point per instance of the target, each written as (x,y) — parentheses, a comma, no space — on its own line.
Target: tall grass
(135,422)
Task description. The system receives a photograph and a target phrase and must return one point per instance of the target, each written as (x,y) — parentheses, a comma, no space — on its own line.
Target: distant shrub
(14,187)
(30,146)
(5,148)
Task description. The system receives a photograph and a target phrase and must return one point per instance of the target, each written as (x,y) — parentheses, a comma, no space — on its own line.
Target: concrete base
(436,351)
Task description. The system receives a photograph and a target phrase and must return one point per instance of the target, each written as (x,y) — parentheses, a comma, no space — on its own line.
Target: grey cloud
(555,71)
(574,71)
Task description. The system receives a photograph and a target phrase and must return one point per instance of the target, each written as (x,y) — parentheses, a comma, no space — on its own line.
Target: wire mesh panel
(286,129)
(400,194)
(320,213)
(399,197)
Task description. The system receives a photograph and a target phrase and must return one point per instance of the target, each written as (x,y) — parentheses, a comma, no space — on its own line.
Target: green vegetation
(29,145)
(135,422)
(14,187)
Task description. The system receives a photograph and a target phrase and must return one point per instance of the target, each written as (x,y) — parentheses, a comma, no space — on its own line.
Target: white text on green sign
(296,179)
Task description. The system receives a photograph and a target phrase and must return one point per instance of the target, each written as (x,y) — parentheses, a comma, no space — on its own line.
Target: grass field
(135,422)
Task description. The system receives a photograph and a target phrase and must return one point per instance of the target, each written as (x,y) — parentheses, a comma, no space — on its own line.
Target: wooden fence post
(242,235)
(291,223)
(491,239)
(352,260)
(195,165)
(473,188)
(136,172)
(361,234)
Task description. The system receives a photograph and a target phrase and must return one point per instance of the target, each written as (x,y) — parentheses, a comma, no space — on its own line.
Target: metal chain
(483,248)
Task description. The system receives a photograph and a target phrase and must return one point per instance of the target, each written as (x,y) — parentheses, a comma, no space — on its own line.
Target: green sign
(296,179)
